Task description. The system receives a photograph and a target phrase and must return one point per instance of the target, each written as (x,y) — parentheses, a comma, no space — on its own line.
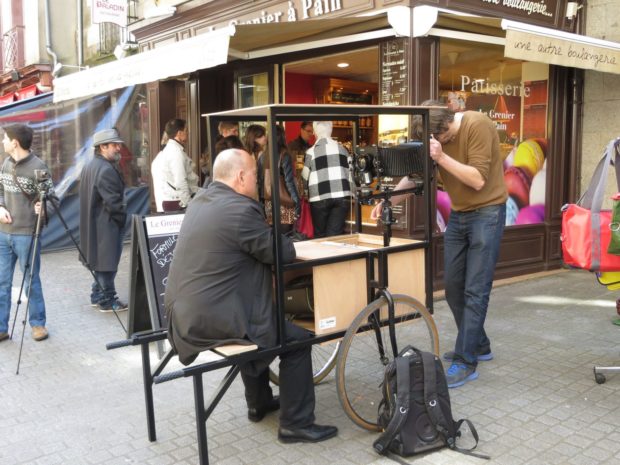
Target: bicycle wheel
(323,361)
(360,366)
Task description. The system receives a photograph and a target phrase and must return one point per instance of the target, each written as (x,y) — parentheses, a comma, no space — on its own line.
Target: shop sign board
(557,51)
(543,12)
(109,11)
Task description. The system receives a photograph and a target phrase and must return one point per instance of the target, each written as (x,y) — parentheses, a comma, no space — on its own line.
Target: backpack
(415,413)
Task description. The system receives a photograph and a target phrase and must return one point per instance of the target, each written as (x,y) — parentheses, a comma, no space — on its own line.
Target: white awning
(533,43)
(216,48)
(200,52)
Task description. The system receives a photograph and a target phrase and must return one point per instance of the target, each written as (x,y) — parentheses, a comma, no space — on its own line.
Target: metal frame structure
(271,115)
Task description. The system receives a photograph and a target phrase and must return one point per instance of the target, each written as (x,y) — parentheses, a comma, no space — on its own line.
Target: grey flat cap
(107,136)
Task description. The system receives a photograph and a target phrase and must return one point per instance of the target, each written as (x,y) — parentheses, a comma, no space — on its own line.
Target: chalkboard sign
(395,72)
(153,241)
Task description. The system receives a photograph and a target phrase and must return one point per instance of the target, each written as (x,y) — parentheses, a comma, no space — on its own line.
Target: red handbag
(304,222)
(585,227)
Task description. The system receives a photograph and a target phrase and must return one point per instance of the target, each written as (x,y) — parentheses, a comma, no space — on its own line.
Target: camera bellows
(401,160)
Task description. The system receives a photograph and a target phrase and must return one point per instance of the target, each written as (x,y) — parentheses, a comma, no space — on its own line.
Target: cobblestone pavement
(75,403)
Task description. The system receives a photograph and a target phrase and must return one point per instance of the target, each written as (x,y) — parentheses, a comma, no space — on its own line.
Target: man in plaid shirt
(327,181)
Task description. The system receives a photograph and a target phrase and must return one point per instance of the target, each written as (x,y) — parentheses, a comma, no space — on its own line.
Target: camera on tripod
(43,178)
(372,163)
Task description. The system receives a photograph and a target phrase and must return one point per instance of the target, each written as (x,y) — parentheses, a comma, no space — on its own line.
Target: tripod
(32,255)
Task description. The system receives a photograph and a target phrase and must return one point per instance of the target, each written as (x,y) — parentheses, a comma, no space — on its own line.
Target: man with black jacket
(219,291)
(102,218)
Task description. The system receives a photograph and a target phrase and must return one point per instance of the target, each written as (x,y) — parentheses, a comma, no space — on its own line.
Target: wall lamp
(571,10)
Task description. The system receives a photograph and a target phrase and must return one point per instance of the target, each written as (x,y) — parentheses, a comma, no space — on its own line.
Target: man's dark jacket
(102,214)
(219,286)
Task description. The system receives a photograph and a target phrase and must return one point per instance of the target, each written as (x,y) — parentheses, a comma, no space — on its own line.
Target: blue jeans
(471,247)
(15,247)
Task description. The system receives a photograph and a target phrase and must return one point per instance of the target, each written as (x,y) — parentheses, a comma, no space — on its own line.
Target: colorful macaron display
(518,181)
(530,156)
(531,214)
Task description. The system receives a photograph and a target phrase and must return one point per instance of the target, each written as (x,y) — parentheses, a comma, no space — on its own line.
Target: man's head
(17,136)
(176,129)
(306,131)
(228,128)
(107,143)
(322,129)
(439,122)
(237,169)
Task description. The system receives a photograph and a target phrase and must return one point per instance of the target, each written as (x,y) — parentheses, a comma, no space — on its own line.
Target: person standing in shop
(174,179)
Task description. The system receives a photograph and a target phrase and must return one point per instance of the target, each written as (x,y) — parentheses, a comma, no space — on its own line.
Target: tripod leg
(82,256)
(32,260)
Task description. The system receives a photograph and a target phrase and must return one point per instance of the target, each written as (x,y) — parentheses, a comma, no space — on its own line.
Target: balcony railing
(13,49)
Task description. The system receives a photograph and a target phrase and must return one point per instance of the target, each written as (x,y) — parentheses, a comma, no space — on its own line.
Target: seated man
(220,291)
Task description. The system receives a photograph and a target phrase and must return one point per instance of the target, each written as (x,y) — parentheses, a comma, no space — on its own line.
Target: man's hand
(37,207)
(375,214)
(5,216)
(435,149)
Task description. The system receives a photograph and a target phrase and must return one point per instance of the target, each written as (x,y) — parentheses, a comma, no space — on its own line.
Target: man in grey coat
(219,291)
(102,218)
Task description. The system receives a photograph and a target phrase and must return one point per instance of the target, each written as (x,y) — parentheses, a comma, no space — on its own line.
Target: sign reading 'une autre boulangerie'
(557,51)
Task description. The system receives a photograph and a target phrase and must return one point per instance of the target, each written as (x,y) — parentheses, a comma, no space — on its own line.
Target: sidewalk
(536,403)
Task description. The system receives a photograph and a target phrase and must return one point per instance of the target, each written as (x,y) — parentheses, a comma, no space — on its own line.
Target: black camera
(373,162)
(43,178)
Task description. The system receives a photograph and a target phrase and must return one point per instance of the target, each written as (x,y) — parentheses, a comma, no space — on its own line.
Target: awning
(533,43)
(27,92)
(203,51)
(217,47)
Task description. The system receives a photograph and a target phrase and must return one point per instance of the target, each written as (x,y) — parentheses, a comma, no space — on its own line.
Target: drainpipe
(48,36)
(80,33)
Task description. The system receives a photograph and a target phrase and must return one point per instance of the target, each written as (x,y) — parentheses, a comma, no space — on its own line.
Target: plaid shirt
(326,171)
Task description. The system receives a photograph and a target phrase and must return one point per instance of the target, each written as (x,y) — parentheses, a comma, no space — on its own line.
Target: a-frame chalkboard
(153,239)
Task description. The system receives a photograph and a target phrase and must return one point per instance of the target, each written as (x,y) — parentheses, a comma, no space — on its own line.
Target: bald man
(219,291)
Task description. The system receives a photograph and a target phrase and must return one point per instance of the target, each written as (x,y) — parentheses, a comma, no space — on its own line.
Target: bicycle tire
(323,355)
(359,371)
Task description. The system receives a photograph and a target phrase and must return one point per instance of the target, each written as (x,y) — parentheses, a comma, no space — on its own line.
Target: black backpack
(415,412)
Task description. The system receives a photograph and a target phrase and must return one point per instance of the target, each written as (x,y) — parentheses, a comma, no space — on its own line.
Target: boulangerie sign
(110,11)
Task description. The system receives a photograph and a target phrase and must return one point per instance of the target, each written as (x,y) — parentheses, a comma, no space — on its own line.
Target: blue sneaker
(459,373)
(112,306)
(449,356)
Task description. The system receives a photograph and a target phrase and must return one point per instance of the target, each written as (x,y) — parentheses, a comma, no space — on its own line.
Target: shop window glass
(253,90)
(514,94)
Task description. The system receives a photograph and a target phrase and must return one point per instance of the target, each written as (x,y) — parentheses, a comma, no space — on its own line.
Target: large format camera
(372,163)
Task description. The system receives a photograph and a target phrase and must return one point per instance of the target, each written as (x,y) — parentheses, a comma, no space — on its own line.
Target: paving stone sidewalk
(75,403)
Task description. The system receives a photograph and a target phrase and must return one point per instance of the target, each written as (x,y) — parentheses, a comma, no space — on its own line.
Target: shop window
(514,94)
(253,90)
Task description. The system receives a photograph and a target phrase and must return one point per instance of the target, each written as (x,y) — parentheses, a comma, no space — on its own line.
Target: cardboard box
(340,288)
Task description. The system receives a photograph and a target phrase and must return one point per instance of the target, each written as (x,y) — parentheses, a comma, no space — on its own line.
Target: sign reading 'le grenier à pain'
(110,11)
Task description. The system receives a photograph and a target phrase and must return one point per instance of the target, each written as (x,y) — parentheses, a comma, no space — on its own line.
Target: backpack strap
(435,413)
(431,398)
(401,409)
(474,433)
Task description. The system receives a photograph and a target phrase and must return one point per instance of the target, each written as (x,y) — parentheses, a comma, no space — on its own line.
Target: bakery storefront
(518,61)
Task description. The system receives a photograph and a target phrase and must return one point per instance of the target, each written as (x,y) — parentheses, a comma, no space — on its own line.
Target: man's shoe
(459,373)
(312,433)
(4,336)
(449,356)
(114,306)
(39,333)
(257,414)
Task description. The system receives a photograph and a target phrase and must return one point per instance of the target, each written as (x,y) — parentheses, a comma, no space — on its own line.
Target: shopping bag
(614,227)
(586,230)
(304,222)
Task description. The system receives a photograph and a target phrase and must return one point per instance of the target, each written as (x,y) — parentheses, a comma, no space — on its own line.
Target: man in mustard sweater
(465,147)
